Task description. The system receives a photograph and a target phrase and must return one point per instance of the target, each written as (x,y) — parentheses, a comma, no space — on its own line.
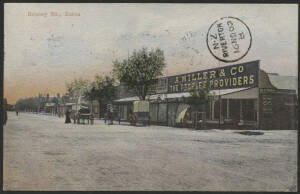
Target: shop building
(242,96)
(95,108)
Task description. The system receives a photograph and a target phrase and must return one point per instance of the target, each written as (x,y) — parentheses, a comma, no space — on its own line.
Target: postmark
(229,39)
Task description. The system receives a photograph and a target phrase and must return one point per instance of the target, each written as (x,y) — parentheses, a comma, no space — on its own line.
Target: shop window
(95,109)
(123,112)
(162,112)
(172,107)
(220,108)
(217,110)
(224,108)
(153,112)
(249,110)
(234,109)
(208,111)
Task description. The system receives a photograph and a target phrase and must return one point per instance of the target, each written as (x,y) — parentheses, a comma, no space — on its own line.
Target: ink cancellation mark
(229,39)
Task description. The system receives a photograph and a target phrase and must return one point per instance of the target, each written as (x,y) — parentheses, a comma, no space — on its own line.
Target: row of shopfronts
(242,96)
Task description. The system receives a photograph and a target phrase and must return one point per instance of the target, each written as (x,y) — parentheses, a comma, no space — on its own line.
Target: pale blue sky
(42,53)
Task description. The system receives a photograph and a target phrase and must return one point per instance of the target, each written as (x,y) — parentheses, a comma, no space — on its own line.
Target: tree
(101,89)
(199,98)
(54,100)
(140,70)
(43,99)
(31,104)
(76,88)
(65,99)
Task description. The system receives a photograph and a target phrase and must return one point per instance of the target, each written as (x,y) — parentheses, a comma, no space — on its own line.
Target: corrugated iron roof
(284,82)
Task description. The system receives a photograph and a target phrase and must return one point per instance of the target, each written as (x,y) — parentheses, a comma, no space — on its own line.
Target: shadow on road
(250,133)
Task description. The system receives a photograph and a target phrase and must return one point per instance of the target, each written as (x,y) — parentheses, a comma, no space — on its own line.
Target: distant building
(95,109)
(50,107)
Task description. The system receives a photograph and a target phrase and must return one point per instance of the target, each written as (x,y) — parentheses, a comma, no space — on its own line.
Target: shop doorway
(234,107)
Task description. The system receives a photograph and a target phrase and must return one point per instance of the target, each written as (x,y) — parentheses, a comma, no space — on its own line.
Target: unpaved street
(43,153)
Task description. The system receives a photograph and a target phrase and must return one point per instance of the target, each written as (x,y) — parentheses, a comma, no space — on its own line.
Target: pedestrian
(74,117)
(92,118)
(68,119)
(17,113)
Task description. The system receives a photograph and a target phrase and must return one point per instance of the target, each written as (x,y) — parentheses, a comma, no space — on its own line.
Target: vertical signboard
(275,111)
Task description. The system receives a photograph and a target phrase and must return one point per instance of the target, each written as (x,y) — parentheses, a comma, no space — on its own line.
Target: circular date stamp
(229,39)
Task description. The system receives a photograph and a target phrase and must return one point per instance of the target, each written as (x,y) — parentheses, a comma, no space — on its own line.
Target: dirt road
(43,153)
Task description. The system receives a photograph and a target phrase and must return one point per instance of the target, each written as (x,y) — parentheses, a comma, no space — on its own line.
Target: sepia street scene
(150,97)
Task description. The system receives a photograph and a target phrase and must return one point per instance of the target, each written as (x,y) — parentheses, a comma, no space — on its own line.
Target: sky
(42,52)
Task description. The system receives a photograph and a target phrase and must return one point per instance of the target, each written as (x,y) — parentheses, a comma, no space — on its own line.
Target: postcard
(150,97)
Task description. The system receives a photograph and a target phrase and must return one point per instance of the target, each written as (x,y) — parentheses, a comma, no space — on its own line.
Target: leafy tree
(65,99)
(54,100)
(101,89)
(43,99)
(31,103)
(34,103)
(140,70)
(77,88)
(199,99)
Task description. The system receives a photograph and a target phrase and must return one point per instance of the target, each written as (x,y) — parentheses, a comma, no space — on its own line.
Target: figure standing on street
(17,113)
(74,117)
(68,119)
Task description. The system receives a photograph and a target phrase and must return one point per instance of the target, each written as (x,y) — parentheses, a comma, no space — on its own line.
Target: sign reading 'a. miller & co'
(233,76)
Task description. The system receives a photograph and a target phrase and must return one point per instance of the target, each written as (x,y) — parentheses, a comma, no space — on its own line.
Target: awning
(83,107)
(225,92)
(243,93)
(49,104)
(129,99)
(70,104)
(187,94)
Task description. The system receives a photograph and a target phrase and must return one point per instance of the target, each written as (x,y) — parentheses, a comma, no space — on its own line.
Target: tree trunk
(143,91)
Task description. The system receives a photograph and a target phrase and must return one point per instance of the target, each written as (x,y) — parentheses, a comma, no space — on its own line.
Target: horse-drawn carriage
(82,113)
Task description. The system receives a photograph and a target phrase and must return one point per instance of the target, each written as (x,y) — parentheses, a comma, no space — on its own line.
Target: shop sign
(233,76)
